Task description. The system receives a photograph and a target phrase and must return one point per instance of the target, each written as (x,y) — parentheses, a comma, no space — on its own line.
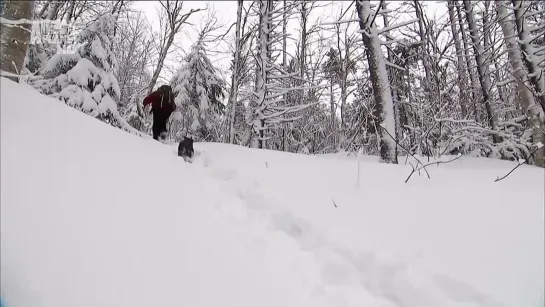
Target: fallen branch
(413,156)
(431,163)
(539,145)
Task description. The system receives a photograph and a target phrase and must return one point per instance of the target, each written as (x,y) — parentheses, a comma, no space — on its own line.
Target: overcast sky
(226,13)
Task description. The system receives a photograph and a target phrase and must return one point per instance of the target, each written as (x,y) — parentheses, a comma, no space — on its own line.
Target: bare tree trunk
(302,52)
(160,64)
(80,9)
(14,38)
(332,105)
(302,63)
(235,75)
(488,46)
(486,34)
(468,61)
(44,9)
(533,112)
(424,40)
(70,11)
(116,11)
(284,64)
(462,77)
(267,109)
(53,10)
(345,62)
(262,60)
(497,68)
(392,80)
(537,77)
(384,109)
(118,6)
(482,69)
(284,36)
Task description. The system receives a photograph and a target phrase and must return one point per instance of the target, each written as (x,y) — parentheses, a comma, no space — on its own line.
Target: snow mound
(94,216)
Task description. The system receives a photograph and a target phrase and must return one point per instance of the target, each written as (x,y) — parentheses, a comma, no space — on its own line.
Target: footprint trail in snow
(335,275)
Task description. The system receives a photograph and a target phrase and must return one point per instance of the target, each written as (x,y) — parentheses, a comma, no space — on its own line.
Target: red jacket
(160,101)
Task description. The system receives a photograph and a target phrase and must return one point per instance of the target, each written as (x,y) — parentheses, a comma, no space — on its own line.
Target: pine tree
(198,91)
(85,79)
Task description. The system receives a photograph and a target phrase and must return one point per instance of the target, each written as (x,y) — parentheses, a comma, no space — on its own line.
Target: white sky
(226,13)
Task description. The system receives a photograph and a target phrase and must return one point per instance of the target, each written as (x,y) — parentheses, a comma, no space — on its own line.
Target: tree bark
(392,79)
(332,106)
(14,38)
(482,69)
(462,77)
(235,75)
(384,109)
(284,65)
(469,62)
(302,52)
(53,10)
(533,112)
(302,63)
(537,79)
(265,7)
(161,62)
(44,9)
(345,63)
(424,40)
(70,12)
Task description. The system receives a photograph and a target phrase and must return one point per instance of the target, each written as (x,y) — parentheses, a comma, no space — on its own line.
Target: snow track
(334,275)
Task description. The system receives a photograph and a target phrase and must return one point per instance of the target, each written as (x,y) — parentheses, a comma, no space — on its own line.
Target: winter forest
(388,78)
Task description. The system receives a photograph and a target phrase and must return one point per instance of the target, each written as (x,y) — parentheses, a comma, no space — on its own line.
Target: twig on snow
(520,163)
(413,156)
(431,163)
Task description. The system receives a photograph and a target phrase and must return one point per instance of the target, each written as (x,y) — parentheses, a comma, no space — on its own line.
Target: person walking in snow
(162,106)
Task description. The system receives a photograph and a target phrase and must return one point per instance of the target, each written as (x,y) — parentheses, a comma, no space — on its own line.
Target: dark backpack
(166,98)
(166,89)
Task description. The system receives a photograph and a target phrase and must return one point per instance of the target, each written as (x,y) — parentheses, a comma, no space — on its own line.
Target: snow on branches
(198,90)
(268,106)
(85,79)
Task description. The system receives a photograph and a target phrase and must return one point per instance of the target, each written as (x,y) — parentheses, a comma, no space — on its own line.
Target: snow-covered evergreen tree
(85,79)
(198,90)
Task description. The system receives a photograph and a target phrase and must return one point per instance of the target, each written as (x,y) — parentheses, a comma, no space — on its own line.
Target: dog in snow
(185,149)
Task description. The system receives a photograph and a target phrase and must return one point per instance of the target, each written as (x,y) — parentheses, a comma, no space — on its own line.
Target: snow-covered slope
(93,216)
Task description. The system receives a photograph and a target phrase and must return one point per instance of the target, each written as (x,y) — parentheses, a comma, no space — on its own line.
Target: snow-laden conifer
(199,90)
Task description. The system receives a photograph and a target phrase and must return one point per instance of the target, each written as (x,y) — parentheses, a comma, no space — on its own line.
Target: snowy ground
(93,216)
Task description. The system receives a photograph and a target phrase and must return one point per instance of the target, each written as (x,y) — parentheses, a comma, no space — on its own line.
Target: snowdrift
(94,216)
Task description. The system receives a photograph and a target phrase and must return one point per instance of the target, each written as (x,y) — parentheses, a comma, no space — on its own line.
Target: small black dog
(185,148)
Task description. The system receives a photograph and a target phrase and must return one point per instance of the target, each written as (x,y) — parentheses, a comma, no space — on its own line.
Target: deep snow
(94,216)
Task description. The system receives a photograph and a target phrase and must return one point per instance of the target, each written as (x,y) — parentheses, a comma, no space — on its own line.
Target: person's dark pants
(159,124)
